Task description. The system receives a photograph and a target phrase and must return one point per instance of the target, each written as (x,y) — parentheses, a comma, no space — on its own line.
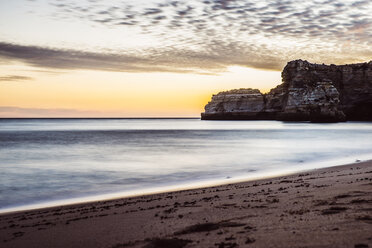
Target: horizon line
(100,117)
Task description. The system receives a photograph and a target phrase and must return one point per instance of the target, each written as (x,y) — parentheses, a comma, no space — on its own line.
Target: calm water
(47,160)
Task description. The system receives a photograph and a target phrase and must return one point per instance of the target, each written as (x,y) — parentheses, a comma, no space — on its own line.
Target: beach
(329,207)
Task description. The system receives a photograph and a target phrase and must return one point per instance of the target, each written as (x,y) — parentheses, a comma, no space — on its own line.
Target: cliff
(309,92)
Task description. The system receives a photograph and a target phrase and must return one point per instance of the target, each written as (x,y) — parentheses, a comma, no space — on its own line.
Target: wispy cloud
(12,78)
(214,59)
(15,112)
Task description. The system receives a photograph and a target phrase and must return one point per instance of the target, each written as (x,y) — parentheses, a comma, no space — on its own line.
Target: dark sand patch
(333,210)
(167,243)
(207,227)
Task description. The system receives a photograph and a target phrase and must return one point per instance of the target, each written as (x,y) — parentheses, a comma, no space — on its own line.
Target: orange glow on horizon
(117,94)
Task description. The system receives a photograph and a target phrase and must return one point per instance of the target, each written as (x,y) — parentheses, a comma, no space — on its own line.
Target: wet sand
(329,207)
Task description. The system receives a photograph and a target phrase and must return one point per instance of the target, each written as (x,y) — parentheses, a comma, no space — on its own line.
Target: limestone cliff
(309,92)
(235,104)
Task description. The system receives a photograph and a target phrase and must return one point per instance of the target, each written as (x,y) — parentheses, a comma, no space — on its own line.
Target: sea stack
(309,92)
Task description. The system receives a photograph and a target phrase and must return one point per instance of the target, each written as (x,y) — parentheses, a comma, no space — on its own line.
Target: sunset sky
(151,58)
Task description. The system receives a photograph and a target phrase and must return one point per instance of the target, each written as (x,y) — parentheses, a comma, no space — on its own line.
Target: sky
(163,58)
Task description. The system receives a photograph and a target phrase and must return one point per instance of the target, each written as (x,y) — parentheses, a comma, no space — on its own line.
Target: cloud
(225,18)
(152,11)
(22,112)
(12,78)
(210,35)
(212,60)
(18,112)
(75,59)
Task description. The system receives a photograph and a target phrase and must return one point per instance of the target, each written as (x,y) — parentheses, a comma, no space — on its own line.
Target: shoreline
(169,189)
(327,207)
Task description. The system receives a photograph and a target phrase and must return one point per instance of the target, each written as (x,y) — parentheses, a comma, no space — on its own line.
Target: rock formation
(235,104)
(309,92)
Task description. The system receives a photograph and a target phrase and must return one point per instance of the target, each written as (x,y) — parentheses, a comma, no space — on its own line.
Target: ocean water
(45,162)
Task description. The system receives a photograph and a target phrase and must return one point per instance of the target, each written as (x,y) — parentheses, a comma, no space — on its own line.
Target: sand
(329,207)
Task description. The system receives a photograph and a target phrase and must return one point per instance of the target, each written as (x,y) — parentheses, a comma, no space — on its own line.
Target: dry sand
(329,207)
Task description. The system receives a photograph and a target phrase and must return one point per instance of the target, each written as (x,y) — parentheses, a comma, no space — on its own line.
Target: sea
(51,162)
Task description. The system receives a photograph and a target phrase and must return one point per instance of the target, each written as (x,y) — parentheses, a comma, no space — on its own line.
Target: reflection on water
(51,159)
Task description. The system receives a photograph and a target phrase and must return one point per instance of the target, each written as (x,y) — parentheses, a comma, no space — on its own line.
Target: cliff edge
(309,92)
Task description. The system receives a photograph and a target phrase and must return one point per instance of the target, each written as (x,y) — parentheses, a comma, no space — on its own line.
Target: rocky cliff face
(235,104)
(309,92)
(317,103)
